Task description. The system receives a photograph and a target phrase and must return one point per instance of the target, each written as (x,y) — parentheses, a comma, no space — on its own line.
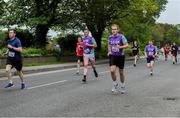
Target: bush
(3,38)
(128,52)
(3,52)
(31,52)
(68,44)
(104,47)
(24,35)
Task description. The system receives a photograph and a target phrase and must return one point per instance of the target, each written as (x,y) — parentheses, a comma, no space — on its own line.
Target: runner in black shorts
(14,59)
(135,51)
(117,42)
(174,52)
(150,52)
(117,60)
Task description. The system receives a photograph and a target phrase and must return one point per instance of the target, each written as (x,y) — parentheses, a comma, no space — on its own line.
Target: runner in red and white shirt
(166,51)
(79,53)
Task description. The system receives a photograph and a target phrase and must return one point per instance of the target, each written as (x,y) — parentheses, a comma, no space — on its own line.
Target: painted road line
(44,85)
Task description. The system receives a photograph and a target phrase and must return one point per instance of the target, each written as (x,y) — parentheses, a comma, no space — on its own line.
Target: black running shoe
(151,73)
(84,79)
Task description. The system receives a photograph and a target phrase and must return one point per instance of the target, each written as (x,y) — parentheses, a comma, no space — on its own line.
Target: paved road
(60,93)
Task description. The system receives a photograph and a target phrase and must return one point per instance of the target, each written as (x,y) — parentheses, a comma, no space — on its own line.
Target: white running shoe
(122,89)
(151,73)
(115,87)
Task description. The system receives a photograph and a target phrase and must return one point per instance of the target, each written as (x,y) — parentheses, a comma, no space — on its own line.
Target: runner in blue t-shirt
(14,58)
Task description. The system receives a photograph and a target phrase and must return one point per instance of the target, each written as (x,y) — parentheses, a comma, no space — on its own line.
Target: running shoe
(115,87)
(9,85)
(23,86)
(95,73)
(151,73)
(84,79)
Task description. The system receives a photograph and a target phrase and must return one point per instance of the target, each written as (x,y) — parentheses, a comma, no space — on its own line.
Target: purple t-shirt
(88,49)
(115,40)
(150,50)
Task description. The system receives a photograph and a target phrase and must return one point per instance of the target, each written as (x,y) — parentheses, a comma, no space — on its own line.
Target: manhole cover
(169,98)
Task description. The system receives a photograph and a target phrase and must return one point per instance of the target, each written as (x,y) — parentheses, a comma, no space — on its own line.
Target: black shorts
(80,58)
(15,64)
(149,59)
(117,61)
(135,52)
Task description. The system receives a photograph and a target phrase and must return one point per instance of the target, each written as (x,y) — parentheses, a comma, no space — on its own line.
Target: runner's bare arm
(123,47)
(19,49)
(91,45)
(109,50)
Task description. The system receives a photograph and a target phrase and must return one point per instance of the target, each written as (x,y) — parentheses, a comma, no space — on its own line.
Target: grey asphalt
(60,93)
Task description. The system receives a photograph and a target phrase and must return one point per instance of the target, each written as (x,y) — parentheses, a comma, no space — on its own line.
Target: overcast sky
(172,13)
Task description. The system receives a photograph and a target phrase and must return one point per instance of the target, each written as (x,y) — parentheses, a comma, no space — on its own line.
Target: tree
(166,33)
(136,14)
(38,14)
(141,19)
(98,14)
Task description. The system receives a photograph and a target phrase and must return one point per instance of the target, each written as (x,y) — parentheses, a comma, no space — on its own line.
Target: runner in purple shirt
(117,44)
(150,52)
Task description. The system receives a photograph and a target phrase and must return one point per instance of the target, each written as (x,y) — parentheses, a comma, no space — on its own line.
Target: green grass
(42,64)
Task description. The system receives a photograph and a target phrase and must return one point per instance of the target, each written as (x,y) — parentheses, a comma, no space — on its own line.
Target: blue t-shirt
(12,54)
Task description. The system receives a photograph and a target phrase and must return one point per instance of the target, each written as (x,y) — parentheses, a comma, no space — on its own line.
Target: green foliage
(134,16)
(24,35)
(68,44)
(3,52)
(166,33)
(104,50)
(139,22)
(128,52)
(3,38)
(32,52)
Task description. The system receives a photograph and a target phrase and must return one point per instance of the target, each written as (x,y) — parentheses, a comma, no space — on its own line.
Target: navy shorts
(17,64)
(149,59)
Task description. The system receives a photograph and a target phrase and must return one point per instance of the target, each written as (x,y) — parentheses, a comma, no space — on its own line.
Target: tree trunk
(98,36)
(40,35)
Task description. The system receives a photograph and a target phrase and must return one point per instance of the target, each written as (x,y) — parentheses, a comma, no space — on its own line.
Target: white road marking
(40,73)
(44,85)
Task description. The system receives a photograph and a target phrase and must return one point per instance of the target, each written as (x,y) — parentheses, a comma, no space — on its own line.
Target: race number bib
(173,49)
(115,49)
(87,50)
(150,53)
(11,54)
